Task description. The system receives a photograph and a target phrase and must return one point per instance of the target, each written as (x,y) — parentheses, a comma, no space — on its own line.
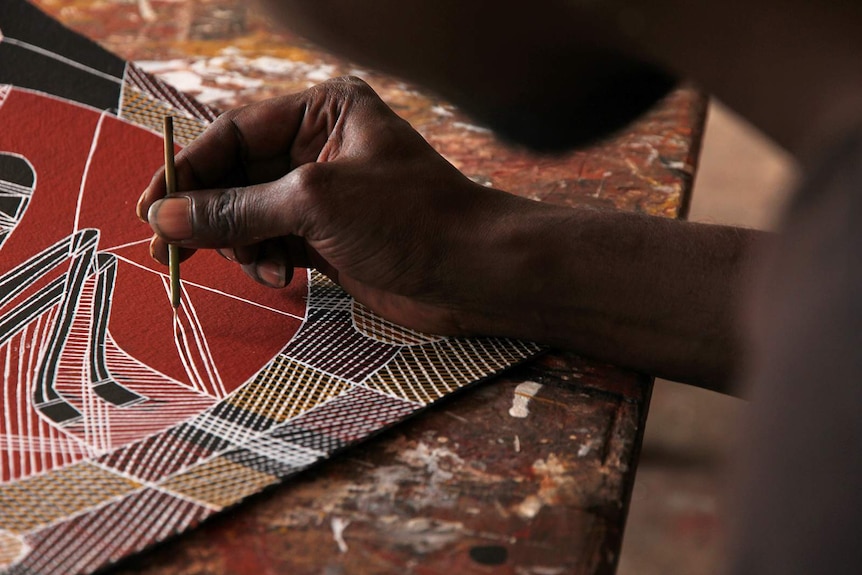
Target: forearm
(648,293)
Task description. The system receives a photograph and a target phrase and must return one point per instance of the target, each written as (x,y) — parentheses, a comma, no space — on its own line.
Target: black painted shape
(489,554)
(60,412)
(16,170)
(16,187)
(37,304)
(9,205)
(103,382)
(35,51)
(83,249)
(116,394)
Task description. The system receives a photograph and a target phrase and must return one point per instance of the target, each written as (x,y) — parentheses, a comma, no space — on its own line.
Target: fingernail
(171,218)
(228,254)
(271,273)
(139,207)
(158,250)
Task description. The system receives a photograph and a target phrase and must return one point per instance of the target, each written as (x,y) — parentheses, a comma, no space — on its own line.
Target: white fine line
(128,245)
(204,348)
(121,99)
(213,290)
(90,155)
(182,347)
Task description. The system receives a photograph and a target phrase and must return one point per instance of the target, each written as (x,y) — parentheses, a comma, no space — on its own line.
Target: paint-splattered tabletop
(529,473)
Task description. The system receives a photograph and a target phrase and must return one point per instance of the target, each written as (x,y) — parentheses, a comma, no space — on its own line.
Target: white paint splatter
(543,570)
(471,127)
(681,166)
(338,527)
(272,65)
(555,485)
(517,444)
(159,66)
(321,73)
(431,459)
(529,507)
(585,448)
(146,11)
(423,535)
(521,400)
(204,77)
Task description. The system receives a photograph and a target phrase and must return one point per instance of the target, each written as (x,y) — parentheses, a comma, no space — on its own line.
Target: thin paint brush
(171,185)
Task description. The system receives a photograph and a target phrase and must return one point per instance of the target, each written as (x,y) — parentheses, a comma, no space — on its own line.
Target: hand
(333,178)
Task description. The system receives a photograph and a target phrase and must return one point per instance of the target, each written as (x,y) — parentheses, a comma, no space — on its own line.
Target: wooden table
(528,474)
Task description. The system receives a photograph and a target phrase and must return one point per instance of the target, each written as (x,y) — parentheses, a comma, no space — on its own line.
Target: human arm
(332,178)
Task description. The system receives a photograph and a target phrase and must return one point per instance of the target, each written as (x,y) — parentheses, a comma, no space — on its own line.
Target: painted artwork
(118,427)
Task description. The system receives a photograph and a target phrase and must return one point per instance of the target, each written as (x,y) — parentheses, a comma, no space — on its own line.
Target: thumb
(228,217)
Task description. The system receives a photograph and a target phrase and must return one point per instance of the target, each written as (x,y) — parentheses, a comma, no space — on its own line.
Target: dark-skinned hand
(333,178)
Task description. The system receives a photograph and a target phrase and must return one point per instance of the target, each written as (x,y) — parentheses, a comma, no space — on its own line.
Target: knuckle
(350,82)
(226,214)
(224,121)
(311,180)
(350,88)
(311,197)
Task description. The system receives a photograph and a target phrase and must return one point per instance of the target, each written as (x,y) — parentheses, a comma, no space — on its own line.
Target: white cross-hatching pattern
(331,343)
(141,108)
(162,455)
(27,442)
(110,532)
(229,431)
(5,89)
(167,402)
(325,294)
(193,348)
(286,388)
(344,419)
(72,381)
(8,221)
(288,454)
(375,327)
(428,372)
(105,407)
(12,547)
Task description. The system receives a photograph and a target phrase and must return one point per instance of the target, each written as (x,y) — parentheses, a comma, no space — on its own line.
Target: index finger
(261,142)
(243,141)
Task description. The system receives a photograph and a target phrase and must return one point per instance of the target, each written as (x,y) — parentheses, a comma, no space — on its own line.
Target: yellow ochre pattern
(142,109)
(42,499)
(11,547)
(219,482)
(287,388)
(425,373)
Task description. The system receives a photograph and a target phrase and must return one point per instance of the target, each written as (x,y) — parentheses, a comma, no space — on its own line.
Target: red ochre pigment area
(90,169)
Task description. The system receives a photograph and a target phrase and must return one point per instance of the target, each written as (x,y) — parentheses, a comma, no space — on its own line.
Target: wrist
(517,266)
